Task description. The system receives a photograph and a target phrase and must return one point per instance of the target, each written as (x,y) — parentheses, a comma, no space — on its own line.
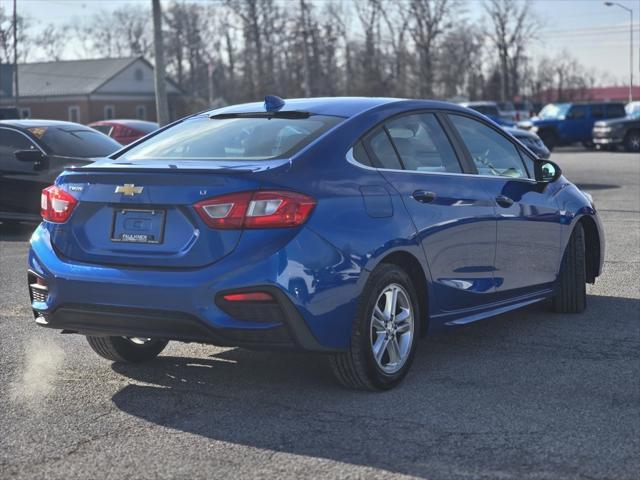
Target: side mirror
(29,155)
(547,171)
(36,157)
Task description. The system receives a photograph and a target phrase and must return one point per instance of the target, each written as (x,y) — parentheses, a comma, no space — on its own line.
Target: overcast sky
(598,36)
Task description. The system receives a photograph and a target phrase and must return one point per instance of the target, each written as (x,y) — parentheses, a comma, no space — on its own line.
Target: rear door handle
(423,196)
(504,201)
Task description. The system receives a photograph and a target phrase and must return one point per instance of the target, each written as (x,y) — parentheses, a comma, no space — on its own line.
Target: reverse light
(56,205)
(256,209)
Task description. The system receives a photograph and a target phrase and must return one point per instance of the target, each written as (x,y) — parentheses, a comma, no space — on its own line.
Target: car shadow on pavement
(16,232)
(485,396)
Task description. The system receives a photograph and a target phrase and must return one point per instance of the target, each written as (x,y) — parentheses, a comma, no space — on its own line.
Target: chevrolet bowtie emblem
(128,189)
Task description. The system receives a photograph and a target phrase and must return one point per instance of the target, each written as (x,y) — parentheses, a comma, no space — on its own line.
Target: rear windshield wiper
(286,114)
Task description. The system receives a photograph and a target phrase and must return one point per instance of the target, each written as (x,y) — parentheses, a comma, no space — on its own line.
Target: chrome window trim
(11,129)
(351,159)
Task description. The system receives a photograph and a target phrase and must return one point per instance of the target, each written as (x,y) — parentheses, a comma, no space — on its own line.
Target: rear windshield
(246,138)
(506,106)
(487,110)
(75,141)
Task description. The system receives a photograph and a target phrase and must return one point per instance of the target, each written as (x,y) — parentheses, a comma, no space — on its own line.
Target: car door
(528,241)
(453,215)
(20,183)
(576,127)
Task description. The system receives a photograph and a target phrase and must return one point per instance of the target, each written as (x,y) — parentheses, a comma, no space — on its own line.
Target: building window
(141,112)
(138,74)
(25,112)
(109,112)
(74,114)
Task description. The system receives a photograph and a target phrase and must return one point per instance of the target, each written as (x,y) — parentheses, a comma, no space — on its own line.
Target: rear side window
(381,150)
(615,110)
(422,144)
(487,110)
(597,111)
(238,138)
(492,153)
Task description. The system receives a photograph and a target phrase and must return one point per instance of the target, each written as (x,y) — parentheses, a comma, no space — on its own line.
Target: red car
(124,131)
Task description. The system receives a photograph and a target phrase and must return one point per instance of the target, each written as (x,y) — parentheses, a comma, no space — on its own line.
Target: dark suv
(620,131)
(566,123)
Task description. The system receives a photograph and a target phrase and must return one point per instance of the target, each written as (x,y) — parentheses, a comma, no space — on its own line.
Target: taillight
(56,205)
(257,209)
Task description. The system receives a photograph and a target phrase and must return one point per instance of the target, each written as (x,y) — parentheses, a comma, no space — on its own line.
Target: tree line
(229,51)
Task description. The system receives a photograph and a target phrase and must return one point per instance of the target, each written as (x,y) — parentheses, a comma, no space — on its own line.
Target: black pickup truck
(618,132)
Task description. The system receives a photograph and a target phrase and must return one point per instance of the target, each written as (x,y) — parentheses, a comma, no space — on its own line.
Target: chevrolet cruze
(348,226)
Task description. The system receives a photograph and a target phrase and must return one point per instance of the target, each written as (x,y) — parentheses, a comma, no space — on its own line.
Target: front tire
(384,333)
(632,141)
(127,350)
(571,294)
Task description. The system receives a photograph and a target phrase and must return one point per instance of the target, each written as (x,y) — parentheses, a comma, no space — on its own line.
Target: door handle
(504,201)
(423,196)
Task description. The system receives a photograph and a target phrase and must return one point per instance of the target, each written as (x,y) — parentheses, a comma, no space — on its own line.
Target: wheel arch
(410,264)
(592,247)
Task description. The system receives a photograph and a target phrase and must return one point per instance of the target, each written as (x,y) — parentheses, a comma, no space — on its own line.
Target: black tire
(357,368)
(121,349)
(632,141)
(549,139)
(571,293)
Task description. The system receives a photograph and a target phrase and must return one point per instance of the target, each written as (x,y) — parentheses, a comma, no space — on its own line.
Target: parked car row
(560,124)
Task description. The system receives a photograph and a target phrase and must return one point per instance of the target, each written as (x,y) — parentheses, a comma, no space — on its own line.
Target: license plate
(138,226)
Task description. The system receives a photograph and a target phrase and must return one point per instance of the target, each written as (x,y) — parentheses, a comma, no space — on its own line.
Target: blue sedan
(348,226)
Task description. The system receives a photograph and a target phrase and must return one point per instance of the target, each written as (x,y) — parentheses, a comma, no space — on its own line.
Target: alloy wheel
(392,328)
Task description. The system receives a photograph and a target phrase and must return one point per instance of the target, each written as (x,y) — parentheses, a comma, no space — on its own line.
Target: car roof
(485,103)
(335,106)
(127,122)
(31,123)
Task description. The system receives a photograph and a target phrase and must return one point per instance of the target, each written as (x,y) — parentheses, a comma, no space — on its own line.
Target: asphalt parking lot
(527,395)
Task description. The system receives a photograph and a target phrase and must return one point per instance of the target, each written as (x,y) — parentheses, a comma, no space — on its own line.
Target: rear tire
(632,141)
(125,350)
(359,367)
(571,294)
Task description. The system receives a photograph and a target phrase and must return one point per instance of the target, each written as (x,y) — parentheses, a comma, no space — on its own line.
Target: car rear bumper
(312,308)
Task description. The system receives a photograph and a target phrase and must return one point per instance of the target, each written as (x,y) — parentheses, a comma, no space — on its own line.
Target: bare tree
(513,27)
(428,21)
(162,106)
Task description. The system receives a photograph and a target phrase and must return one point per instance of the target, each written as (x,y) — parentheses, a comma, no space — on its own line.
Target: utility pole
(616,4)
(306,71)
(162,108)
(16,93)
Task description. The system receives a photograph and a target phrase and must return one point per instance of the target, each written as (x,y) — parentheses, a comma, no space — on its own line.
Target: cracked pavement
(526,395)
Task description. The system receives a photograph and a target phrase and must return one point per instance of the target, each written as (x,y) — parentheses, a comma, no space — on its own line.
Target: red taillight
(248,297)
(257,209)
(56,205)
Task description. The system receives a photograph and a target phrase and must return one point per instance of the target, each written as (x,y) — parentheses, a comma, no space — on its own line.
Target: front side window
(615,110)
(12,141)
(577,112)
(422,144)
(492,153)
(235,138)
